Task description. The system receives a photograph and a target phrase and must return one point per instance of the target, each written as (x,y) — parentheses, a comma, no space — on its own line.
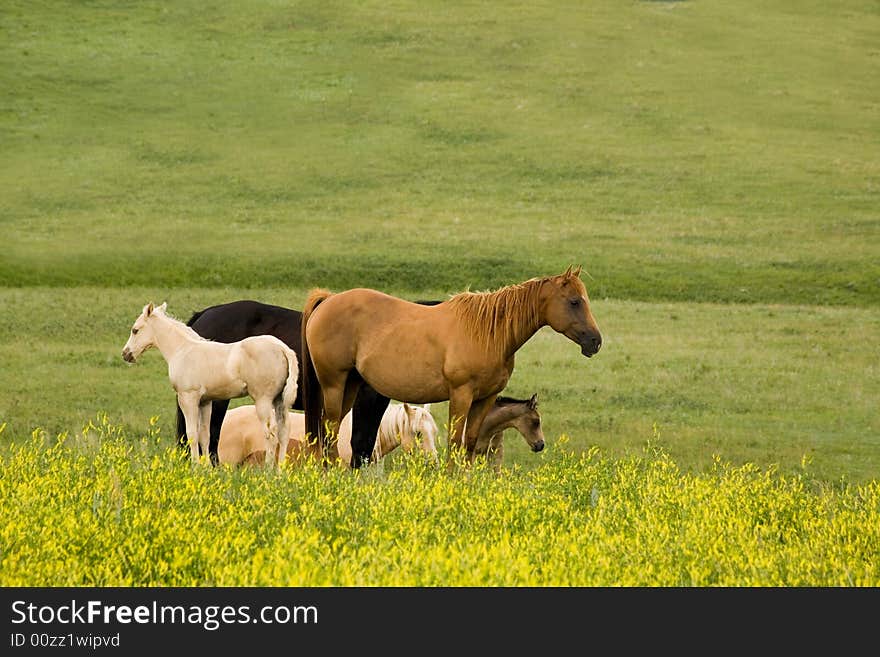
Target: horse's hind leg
(353,383)
(266,413)
(332,415)
(338,401)
(282,430)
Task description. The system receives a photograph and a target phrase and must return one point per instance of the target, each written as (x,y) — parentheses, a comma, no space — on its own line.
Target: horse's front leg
(204,428)
(478,411)
(460,400)
(189,406)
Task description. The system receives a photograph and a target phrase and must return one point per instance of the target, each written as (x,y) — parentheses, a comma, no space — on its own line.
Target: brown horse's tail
(313,399)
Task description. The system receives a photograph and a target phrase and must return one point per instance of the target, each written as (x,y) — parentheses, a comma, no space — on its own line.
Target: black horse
(237,320)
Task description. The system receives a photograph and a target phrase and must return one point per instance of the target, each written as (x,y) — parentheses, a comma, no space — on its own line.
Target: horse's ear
(148,309)
(577,272)
(163,306)
(533,401)
(567,272)
(407,409)
(427,407)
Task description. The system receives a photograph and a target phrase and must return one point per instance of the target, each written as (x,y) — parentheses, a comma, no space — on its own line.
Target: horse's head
(421,429)
(566,310)
(142,335)
(529,424)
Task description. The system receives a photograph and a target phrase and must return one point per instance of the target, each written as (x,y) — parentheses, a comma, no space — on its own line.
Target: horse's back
(364,305)
(384,337)
(237,320)
(262,358)
(258,346)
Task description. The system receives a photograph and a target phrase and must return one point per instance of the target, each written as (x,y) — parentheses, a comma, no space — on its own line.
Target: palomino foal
(202,371)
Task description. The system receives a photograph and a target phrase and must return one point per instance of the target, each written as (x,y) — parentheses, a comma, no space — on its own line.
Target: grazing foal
(508,413)
(202,371)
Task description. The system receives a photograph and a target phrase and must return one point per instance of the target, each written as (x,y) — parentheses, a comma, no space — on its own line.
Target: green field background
(714,167)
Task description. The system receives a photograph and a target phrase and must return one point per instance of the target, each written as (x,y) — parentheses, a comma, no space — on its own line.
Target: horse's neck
(499,419)
(524,330)
(520,337)
(171,335)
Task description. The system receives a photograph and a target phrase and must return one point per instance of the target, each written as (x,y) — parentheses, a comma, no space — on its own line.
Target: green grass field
(715,167)
(771,385)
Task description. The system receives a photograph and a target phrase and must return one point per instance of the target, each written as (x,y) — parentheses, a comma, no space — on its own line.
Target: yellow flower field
(102,508)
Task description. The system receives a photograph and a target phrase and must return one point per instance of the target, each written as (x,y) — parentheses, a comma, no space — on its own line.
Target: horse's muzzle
(590,345)
(537,447)
(127,356)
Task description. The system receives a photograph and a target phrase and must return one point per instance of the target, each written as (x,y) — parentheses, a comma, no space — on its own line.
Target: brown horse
(461,350)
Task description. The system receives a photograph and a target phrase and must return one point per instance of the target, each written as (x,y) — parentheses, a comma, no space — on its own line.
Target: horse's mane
(397,423)
(510,401)
(496,318)
(184,328)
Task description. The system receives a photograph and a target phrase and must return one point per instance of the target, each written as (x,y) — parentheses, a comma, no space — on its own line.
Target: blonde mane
(399,427)
(496,319)
(181,326)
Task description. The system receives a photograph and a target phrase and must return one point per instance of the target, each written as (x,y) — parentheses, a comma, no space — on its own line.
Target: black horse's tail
(312,398)
(182,442)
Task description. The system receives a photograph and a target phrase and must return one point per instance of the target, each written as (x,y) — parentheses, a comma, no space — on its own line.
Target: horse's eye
(575,303)
(134,331)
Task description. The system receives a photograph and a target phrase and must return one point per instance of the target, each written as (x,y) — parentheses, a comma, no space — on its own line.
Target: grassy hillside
(678,150)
